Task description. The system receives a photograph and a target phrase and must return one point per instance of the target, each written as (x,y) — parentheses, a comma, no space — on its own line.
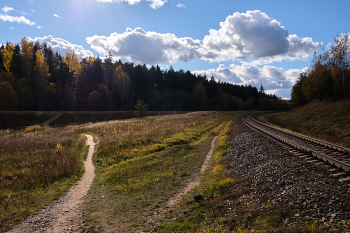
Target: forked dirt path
(64,215)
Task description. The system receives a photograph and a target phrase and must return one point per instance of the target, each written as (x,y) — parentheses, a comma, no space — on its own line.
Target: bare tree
(340,56)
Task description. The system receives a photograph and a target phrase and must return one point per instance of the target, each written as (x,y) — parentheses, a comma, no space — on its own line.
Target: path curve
(64,215)
(46,123)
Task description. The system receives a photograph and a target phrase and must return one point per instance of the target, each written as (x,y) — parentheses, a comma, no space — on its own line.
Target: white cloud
(274,79)
(248,37)
(253,35)
(61,46)
(153,3)
(148,47)
(180,5)
(6,9)
(33,10)
(12,28)
(39,27)
(31,1)
(16,19)
(55,15)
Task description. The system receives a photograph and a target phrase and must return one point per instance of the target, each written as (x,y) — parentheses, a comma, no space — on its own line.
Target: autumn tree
(7,54)
(340,52)
(8,97)
(42,73)
(297,95)
(94,100)
(28,52)
(73,63)
(122,82)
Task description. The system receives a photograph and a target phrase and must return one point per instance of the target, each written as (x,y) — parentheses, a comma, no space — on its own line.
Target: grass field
(142,163)
(17,120)
(26,157)
(328,121)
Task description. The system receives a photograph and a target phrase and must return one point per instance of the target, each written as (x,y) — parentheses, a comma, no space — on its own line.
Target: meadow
(141,164)
(26,157)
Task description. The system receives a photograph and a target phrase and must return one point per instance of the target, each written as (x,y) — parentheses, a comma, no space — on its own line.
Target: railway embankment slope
(326,120)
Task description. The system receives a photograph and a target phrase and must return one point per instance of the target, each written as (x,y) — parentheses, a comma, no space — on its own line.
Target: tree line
(328,78)
(34,77)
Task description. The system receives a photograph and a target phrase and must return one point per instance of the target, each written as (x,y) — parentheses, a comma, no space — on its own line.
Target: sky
(245,42)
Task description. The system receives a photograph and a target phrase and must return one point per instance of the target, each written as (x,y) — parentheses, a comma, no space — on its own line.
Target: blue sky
(244,42)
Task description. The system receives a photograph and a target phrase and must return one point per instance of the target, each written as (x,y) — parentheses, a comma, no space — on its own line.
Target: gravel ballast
(274,175)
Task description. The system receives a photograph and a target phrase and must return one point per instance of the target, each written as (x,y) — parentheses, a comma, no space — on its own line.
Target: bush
(34,128)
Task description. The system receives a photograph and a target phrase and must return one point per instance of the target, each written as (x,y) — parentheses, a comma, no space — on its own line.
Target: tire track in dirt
(196,181)
(192,184)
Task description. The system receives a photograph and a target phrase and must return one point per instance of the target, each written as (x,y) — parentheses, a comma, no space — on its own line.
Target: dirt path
(46,123)
(64,215)
(197,178)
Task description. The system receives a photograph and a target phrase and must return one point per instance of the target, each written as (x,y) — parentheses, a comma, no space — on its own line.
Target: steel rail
(319,155)
(318,141)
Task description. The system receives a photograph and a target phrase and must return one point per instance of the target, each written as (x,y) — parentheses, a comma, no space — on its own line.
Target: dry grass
(142,164)
(328,121)
(25,159)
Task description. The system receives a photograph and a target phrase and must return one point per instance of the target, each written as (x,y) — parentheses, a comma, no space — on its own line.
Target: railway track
(313,150)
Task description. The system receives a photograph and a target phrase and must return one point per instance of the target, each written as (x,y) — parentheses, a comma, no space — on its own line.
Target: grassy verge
(141,165)
(25,159)
(20,119)
(228,204)
(82,117)
(328,121)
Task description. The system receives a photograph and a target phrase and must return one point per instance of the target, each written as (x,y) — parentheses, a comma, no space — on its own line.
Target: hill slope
(325,120)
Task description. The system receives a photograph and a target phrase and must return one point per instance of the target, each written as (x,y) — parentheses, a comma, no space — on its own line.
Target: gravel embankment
(276,176)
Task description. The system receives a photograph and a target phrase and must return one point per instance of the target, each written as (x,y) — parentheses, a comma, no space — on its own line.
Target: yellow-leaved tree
(28,52)
(122,82)
(7,54)
(42,73)
(73,62)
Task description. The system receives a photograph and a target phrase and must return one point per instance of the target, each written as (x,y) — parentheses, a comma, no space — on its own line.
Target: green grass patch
(34,128)
(160,157)
(82,117)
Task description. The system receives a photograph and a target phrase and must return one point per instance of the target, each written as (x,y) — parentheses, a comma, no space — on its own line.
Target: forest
(328,78)
(34,77)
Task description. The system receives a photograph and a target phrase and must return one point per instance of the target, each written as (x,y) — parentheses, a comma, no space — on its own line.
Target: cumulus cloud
(274,79)
(254,35)
(55,15)
(16,19)
(180,5)
(153,3)
(6,9)
(148,47)
(62,46)
(250,36)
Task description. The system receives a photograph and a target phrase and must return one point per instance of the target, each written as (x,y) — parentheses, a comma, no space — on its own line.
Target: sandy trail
(64,215)
(70,218)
